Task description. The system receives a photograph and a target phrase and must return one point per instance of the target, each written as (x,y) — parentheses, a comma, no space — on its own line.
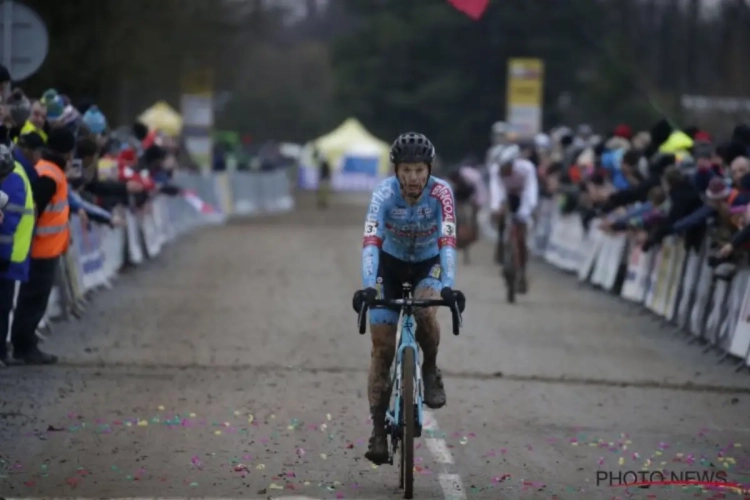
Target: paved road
(231,368)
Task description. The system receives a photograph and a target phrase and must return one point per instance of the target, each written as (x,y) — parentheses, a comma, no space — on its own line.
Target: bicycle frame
(406,338)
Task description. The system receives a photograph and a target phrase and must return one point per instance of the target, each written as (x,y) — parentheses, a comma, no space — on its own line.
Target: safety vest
(52,235)
(25,229)
(29,127)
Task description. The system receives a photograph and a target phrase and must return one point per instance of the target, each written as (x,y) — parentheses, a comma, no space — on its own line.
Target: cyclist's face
(413,177)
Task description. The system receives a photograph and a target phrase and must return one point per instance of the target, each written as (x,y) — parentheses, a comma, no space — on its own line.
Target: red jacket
(127,170)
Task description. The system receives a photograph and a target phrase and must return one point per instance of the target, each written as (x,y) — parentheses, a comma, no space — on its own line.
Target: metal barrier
(707,305)
(97,253)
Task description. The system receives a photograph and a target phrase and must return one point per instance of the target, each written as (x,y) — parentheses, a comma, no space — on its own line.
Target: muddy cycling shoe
(434,392)
(377,450)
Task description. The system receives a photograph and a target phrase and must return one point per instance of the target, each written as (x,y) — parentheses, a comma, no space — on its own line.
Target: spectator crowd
(59,159)
(666,181)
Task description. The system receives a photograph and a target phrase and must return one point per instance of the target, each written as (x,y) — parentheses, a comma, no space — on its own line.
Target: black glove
(454,298)
(362,297)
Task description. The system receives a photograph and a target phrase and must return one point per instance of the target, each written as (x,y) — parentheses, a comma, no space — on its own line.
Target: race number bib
(371,228)
(449,229)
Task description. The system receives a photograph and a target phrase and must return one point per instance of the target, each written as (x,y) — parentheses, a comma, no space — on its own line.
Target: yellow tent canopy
(349,137)
(162,117)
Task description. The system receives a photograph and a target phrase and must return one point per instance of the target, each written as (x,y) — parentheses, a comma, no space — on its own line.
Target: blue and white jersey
(411,233)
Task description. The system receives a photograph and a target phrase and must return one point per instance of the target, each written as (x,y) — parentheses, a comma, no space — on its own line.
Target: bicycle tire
(407,442)
(509,266)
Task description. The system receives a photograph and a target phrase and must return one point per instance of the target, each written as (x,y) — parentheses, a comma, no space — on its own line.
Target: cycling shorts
(393,273)
(513,203)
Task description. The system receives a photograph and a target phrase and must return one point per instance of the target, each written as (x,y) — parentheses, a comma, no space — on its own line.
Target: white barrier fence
(97,253)
(674,284)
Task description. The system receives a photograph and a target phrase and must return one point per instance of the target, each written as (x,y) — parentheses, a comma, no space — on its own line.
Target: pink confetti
(300,452)
(197,462)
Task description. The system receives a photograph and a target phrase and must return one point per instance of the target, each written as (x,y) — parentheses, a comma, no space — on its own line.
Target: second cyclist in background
(514,188)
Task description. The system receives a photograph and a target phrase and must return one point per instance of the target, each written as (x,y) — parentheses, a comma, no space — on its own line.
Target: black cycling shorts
(393,272)
(514,203)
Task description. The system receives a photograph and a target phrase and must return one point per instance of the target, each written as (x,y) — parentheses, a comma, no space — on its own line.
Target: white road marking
(450,483)
(452,487)
(437,446)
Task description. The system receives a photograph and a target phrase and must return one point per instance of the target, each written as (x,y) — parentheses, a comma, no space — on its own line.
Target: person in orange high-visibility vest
(51,240)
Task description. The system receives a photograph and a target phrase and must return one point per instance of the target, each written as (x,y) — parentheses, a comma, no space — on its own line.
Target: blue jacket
(612,161)
(14,187)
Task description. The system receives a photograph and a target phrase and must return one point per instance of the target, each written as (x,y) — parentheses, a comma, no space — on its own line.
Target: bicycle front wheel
(407,443)
(509,266)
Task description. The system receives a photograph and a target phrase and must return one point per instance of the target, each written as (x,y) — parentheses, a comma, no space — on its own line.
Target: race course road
(232,368)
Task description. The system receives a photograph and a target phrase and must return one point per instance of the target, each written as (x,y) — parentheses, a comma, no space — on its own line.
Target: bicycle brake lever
(362,319)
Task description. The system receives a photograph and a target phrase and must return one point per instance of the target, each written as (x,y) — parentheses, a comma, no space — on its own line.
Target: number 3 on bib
(371,228)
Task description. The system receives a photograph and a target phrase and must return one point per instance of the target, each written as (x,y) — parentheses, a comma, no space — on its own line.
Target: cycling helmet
(412,147)
(510,154)
(7,164)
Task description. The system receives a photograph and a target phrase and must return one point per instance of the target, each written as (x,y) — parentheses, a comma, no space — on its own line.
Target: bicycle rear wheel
(407,442)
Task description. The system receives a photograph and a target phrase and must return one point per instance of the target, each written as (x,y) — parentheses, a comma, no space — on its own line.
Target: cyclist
(470,194)
(409,236)
(514,187)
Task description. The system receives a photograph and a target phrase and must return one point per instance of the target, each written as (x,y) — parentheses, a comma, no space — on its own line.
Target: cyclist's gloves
(361,297)
(454,297)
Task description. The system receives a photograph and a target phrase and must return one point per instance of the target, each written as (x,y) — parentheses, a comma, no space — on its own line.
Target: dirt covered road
(231,367)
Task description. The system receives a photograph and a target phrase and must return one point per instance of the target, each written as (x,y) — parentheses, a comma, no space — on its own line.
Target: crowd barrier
(97,253)
(709,305)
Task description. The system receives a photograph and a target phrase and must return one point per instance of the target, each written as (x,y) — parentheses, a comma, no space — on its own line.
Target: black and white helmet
(7,163)
(412,147)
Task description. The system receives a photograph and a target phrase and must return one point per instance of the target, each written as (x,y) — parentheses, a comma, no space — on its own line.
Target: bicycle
(405,415)
(510,254)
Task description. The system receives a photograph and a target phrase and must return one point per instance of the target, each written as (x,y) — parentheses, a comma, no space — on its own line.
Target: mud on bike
(405,415)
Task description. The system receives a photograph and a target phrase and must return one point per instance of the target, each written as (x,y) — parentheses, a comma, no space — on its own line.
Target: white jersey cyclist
(521,184)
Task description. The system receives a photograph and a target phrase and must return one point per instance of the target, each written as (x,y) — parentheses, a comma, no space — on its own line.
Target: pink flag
(472,8)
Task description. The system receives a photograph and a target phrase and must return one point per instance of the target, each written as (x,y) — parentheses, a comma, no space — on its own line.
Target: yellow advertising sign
(525,96)
(525,82)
